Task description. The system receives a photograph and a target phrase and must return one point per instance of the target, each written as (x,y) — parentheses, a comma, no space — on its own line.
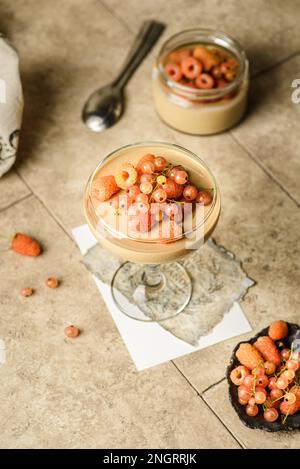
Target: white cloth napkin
(11,105)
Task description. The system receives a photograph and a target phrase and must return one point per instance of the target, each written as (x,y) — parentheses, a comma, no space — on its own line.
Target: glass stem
(153,277)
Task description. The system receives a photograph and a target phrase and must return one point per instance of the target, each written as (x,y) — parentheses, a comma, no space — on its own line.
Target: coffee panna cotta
(200,82)
(147,202)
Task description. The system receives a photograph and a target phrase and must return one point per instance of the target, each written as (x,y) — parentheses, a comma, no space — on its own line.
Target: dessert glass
(149,285)
(200,111)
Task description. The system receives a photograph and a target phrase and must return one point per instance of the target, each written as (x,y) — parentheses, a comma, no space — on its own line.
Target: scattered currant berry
(146,187)
(72,332)
(51,282)
(133,191)
(238,375)
(285,353)
(161,180)
(159,195)
(270,367)
(190,193)
(271,415)
(160,163)
(204,198)
(282,383)
(252,411)
(26,291)
(181,177)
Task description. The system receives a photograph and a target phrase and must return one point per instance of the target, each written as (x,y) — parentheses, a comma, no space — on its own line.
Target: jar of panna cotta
(215,101)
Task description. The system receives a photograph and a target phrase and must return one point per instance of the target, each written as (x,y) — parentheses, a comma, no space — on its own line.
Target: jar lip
(197,92)
(157,143)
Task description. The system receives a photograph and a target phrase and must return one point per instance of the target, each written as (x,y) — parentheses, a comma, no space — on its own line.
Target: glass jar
(201,111)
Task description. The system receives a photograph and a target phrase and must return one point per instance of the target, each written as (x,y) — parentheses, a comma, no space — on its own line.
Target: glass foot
(151,293)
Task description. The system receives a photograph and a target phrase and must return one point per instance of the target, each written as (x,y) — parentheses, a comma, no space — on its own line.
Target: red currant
(244,393)
(270,367)
(272,383)
(288,374)
(181,177)
(147,178)
(72,332)
(148,167)
(249,381)
(133,191)
(238,375)
(146,187)
(159,195)
(282,383)
(292,365)
(142,198)
(270,415)
(260,397)
(262,381)
(160,163)
(285,353)
(251,410)
(190,192)
(276,394)
(204,198)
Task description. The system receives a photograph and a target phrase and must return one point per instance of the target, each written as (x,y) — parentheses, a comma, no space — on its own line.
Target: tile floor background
(88,394)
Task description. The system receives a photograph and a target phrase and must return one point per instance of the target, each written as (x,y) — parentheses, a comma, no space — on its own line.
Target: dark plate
(293,421)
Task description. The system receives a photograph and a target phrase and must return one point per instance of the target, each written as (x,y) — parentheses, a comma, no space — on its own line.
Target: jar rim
(222,39)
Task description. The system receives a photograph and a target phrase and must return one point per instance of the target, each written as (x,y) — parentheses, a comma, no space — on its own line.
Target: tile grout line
(52,215)
(17,201)
(264,169)
(116,16)
(276,64)
(240,444)
(213,385)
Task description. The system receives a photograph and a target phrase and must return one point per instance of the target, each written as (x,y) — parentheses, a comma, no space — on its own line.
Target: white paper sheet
(148,343)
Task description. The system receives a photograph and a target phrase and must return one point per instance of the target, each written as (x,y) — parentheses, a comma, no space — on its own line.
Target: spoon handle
(143,43)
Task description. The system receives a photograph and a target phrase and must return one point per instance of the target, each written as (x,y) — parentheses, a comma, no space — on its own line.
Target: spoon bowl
(103,108)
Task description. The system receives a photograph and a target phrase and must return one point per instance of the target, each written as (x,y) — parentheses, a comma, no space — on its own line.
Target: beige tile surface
(269,32)
(12,188)
(87,393)
(217,398)
(272,128)
(84,393)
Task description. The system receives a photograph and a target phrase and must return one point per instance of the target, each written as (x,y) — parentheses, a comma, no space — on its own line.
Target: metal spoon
(105,106)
